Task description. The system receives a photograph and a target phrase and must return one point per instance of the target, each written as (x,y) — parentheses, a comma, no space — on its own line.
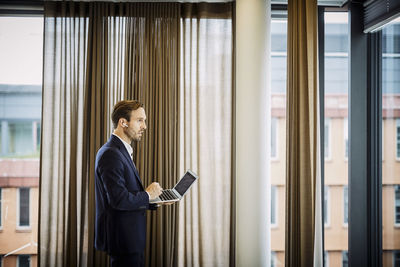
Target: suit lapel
(122,148)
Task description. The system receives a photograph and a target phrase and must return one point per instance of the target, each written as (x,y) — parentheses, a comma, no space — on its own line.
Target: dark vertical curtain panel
(95,55)
(302,134)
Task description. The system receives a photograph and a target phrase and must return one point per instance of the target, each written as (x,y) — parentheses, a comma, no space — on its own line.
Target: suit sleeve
(111,170)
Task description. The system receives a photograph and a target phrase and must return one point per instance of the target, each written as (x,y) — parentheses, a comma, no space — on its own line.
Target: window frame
(365,123)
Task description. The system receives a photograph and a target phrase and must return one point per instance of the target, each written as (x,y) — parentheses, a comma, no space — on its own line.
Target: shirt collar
(127,146)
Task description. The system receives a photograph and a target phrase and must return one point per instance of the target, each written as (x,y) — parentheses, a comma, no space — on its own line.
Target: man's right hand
(154,190)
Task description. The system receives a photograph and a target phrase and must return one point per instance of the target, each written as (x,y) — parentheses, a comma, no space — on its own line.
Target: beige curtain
(302,136)
(96,54)
(205,107)
(152,76)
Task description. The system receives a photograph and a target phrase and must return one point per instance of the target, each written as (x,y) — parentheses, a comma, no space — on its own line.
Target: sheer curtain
(96,54)
(206,139)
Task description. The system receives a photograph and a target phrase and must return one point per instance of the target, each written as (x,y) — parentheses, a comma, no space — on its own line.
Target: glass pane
(24,207)
(336,136)
(24,261)
(390,144)
(345,259)
(21,52)
(278,141)
(346,205)
(396,258)
(274,204)
(326,206)
(0,213)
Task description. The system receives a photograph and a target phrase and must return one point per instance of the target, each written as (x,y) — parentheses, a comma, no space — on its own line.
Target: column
(252,132)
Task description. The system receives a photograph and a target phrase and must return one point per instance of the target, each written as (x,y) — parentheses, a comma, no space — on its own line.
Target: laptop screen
(185,183)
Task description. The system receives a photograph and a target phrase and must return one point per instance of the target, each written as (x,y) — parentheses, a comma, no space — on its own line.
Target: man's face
(136,125)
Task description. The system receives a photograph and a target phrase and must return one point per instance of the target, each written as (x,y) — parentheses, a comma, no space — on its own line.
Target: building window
(24,261)
(398,138)
(346,204)
(1,222)
(346,138)
(274,206)
(397,204)
(274,138)
(24,207)
(273,259)
(19,138)
(326,259)
(327,138)
(326,205)
(345,258)
(396,258)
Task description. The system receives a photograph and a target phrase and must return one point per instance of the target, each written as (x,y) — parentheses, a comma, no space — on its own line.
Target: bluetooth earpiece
(124,124)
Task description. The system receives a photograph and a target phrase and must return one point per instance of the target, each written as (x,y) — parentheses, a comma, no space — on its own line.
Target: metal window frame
(365,158)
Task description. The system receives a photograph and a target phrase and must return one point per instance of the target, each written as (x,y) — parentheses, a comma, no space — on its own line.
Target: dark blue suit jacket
(121,201)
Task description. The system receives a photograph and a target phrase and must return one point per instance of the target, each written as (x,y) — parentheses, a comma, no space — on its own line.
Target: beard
(132,135)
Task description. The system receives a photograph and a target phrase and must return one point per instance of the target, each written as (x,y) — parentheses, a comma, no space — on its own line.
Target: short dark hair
(123,110)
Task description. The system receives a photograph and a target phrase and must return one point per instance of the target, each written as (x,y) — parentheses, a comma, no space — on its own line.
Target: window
(397,204)
(278,143)
(398,138)
(274,138)
(396,258)
(19,138)
(273,259)
(0,207)
(24,207)
(346,138)
(346,205)
(327,138)
(326,205)
(390,90)
(345,259)
(274,205)
(326,259)
(21,64)
(336,91)
(24,261)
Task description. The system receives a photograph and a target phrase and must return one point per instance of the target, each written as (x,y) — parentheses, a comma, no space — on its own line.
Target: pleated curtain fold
(303,175)
(95,55)
(206,231)
(176,59)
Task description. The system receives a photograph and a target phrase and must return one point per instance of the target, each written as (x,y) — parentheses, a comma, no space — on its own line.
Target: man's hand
(154,190)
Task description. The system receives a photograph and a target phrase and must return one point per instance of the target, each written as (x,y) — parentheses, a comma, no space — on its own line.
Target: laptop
(179,190)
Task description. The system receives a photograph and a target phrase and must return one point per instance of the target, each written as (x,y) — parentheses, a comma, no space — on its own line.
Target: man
(121,200)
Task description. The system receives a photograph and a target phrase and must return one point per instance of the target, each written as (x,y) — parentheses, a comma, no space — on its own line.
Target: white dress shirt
(130,151)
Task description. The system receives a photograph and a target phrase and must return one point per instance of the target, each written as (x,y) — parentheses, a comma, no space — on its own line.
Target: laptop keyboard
(168,195)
